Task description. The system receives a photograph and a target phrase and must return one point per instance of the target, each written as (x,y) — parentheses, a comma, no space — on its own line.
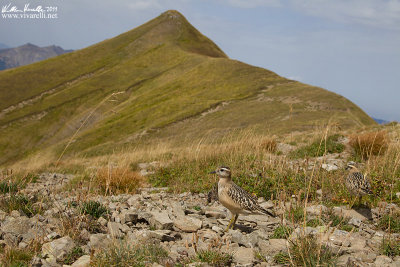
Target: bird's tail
(267,212)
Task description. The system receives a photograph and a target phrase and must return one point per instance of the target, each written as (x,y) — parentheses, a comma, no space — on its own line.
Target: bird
(357,183)
(236,199)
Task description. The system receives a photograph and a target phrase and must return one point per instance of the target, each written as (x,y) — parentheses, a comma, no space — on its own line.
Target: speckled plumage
(235,198)
(356,182)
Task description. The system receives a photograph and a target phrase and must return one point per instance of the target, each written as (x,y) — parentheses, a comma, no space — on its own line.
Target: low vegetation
(94,209)
(213,257)
(124,254)
(320,147)
(20,203)
(369,144)
(282,232)
(390,222)
(118,180)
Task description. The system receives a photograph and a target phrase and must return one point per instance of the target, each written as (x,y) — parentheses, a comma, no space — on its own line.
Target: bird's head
(351,165)
(223,172)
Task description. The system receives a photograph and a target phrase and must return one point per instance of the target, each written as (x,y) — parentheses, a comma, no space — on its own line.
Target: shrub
(268,145)
(367,144)
(123,254)
(119,180)
(94,208)
(319,147)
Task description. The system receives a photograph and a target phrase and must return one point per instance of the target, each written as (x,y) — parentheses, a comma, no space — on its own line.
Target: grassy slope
(166,72)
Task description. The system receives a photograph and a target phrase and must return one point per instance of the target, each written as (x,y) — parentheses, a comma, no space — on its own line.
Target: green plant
(315,222)
(390,222)
(282,258)
(319,147)
(8,187)
(94,208)
(295,214)
(306,251)
(281,231)
(124,254)
(72,256)
(15,257)
(213,257)
(21,203)
(390,247)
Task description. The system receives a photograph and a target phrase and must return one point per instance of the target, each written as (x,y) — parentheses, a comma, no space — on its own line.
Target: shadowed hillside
(164,80)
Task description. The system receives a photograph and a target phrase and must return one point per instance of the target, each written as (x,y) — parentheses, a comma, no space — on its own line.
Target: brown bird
(235,198)
(357,183)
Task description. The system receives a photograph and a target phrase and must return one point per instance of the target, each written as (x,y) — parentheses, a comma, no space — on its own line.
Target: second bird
(235,198)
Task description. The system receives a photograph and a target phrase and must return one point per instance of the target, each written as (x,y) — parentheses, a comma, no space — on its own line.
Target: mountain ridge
(141,83)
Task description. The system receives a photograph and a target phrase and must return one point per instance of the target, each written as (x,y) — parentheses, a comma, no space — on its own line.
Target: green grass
(94,208)
(281,232)
(390,247)
(213,258)
(21,203)
(390,222)
(15,257)
(320,147)
(8,187)
(72,256)
(123,254)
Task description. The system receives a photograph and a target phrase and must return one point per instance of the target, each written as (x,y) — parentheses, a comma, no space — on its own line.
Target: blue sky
(351,47)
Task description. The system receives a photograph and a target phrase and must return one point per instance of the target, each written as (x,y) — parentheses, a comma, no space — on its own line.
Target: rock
(382,260)
(36,262)
(129,216)
(82,261)
(360,214)
(244,255)
(102,221)
(133,200)
(329,167)
(99,241)
(15,213)
(316,209)
(355,222)
(161,221)
(3,215)
(188,224)
(114,229)
(365,256)
(57,249)
(273,246)
(215,213)
(163,235)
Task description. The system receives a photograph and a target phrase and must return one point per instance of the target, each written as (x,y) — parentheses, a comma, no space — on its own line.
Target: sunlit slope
(162,79)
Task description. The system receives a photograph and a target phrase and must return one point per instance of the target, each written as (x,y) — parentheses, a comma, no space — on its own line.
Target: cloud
(381,13)
(144,4)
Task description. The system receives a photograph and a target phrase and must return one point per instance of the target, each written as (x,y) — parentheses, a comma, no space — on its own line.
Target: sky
(350,47)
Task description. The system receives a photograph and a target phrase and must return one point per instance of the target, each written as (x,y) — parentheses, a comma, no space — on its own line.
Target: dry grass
(269,145)
(118,180)
(371,143)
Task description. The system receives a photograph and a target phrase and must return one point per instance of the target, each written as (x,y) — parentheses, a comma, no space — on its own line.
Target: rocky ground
(182,224)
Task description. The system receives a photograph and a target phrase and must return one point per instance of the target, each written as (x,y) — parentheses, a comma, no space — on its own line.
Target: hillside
(27,54)
(162,80)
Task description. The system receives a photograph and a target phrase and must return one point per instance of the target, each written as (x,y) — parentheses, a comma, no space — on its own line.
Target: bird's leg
(234,221)
(230,223)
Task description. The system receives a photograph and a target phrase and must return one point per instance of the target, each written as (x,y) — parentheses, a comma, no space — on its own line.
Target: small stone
(214,213)
(102,221)
(244,255)
(163,235)
(114,229)
(382,260)
(133,200)
(130,216)
(329,167)
(355,222)
(316,209)
(99,241)
(82,261)
(58,249)
(188,224)
(15,213)
(53,235)
(161,221)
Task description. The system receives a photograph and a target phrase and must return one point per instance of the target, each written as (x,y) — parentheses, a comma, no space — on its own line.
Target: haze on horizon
(351,47)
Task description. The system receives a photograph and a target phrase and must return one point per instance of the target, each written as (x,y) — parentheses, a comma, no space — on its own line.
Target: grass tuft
(124,254)
(213,258)
(281,232)
(390,223)
(119,180)
(21,203)
(94,208)
(367,144)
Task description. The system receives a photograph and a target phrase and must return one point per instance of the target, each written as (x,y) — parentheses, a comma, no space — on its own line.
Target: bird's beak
(213,172)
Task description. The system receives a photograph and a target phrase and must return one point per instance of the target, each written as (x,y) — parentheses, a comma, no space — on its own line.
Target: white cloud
(144,4)
(382,13)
